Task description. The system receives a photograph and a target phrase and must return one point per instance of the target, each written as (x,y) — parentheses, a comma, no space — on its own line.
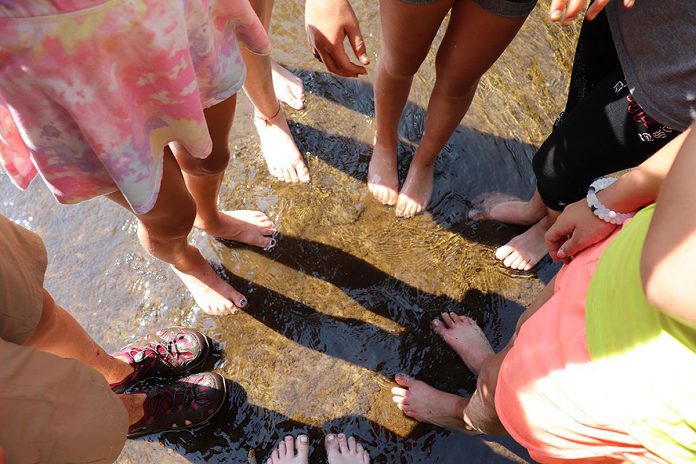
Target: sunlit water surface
(346,298)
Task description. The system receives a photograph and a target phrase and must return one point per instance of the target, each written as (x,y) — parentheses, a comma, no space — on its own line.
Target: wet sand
(346,298)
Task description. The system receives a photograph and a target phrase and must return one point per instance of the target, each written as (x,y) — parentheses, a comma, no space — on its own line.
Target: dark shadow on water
(471,166)
(241,426)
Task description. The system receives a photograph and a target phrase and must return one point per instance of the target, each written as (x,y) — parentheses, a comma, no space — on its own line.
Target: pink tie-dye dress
(91,91)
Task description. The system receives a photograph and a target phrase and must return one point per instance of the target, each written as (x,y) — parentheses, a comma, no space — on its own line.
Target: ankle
(119,372)
(135,406)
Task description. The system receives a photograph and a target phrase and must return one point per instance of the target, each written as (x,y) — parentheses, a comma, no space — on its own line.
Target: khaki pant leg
(56,410)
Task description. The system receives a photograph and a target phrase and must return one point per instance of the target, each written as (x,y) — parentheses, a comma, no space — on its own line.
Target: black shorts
(602,129)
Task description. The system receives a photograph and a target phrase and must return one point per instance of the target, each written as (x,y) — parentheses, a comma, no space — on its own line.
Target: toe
(439,327)
(302,172)
(503,252)
(392,197)
(290,445)
(331,444)
(403,380)
(447,319)
(511,258)
(352,445)
(238,300)
(275,456)
(398,391)
(282,449)
(302,447)
(343,443)
(294,178)
(366,457)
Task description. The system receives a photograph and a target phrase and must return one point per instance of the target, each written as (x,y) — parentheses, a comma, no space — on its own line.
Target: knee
(49,318)
(170,219)
(214,164)
(451,83)
(400,67)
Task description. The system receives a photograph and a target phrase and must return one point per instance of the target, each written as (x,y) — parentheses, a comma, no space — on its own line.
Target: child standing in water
(133,100)
(477,33)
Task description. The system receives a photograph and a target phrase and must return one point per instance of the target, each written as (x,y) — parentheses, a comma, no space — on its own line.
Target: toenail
(437,322)
(242,302)
(340,436)
(304,438)
(270,245)
(330,437)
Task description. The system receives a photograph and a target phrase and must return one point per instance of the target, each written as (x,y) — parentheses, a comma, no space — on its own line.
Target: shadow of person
(242,427)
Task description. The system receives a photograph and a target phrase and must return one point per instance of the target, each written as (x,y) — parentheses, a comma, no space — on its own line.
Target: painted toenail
(270,245)
(304,438)
(242,302)
(330,437)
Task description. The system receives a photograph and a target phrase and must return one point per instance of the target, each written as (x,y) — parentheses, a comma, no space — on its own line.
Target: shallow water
(345,300)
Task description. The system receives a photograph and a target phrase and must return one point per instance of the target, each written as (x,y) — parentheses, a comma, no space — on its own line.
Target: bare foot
(212,294)
(382,178)
(466,338)
(415,194)
(243,226)
(509,210)
(284,160)
(426,404)
(342,451)
(288,87)
(526,250)
(285,454)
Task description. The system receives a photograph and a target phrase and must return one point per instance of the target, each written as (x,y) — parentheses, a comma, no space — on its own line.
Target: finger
(331,65)
(557,9)
(357,42)
(345,65)
(573,9)
(594,9)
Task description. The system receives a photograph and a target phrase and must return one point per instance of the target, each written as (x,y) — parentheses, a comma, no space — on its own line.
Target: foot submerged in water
(466,338)
(278,148)
(416,192)
(288,87)
(338,449)
(424,403)
(526,250)
(382,178)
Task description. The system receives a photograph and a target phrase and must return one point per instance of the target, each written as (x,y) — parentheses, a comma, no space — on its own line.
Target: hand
(567,10)
(328,22)
(575,229)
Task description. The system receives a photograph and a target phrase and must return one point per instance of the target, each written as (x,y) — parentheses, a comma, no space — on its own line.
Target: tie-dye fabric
(91,91)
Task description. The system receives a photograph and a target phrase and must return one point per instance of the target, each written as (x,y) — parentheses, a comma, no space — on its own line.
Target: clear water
(345,299)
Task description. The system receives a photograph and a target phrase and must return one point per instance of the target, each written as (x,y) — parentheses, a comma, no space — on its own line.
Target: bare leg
(403,51)
(474,40)
(60,334)
(134,406)
(510,211)
(277,145)
(527,249)
(163,232)
(203,178)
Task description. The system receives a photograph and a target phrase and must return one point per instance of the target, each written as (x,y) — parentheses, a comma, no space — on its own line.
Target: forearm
(639,187)
(668,261)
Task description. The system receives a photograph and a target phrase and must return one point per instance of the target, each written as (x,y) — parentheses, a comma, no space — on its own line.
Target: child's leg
(474,40)
(203,178)
(60,334)
(277,145)
(163,232)
(403,51)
